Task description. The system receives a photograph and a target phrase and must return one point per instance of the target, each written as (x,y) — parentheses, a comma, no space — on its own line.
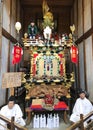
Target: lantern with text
(74,54)
(17,54)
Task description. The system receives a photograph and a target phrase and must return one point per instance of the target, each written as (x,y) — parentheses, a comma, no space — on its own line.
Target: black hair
(86,93)
(82,91)
(12,98)
(32,21)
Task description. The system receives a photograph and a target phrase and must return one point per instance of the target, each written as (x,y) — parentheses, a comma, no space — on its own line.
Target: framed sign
(11,79)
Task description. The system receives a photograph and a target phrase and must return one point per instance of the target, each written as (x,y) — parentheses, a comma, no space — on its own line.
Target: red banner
(61,64)
(74,54)
(17,54)
(34,64)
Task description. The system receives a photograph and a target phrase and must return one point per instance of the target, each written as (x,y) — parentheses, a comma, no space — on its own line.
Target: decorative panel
(49,64)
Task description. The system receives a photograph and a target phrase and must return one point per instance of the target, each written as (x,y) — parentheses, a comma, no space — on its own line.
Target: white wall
(83,15)
(9,18)
(4,64)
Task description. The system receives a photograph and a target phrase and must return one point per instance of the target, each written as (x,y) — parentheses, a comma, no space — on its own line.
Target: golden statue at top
(47,15)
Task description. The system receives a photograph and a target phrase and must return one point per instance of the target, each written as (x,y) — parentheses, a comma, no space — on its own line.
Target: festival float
(48,78)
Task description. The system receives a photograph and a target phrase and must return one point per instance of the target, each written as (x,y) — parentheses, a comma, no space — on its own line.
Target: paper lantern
(17,54)
(18,26)
(74,54)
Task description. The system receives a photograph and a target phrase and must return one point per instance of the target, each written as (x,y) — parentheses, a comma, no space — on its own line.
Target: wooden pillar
(84,47)
(0,33)
(8,65)
(82,123)
(12,91)
(92,23)
(75,66)
(31,65)
(12,124)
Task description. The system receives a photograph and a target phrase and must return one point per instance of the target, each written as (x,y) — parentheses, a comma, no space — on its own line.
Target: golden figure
(47,15)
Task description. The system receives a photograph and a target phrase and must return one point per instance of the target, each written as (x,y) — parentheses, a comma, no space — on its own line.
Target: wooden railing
(12,124)
(80,123)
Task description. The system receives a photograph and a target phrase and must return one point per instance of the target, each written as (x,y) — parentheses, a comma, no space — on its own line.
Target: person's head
(82,94)
(32,23)
(11,102)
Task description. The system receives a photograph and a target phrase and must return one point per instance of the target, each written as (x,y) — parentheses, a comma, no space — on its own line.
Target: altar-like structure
(48,74)
(47,65)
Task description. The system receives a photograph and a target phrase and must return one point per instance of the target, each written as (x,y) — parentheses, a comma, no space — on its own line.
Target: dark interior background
(61,9)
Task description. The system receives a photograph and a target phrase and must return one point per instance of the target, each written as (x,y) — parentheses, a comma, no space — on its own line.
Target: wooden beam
(85,36)
(50,2)
(10,37)
(35,7)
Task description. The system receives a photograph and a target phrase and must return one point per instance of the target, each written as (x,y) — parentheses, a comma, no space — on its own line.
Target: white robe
(15,111)
(82,106)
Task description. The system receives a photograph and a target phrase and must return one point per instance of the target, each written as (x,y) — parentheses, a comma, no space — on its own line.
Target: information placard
(11,79)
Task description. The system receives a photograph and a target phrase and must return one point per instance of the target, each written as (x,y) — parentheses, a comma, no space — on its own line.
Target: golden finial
(72,28)
(25,35)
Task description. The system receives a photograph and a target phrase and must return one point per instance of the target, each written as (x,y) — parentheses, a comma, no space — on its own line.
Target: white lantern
(18,26)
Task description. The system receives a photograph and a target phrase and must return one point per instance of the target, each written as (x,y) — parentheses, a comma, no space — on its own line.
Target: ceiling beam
(50,2)
(52,8)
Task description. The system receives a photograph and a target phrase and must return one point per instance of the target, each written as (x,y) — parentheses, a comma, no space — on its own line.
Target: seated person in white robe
(11,110)
(82,106)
